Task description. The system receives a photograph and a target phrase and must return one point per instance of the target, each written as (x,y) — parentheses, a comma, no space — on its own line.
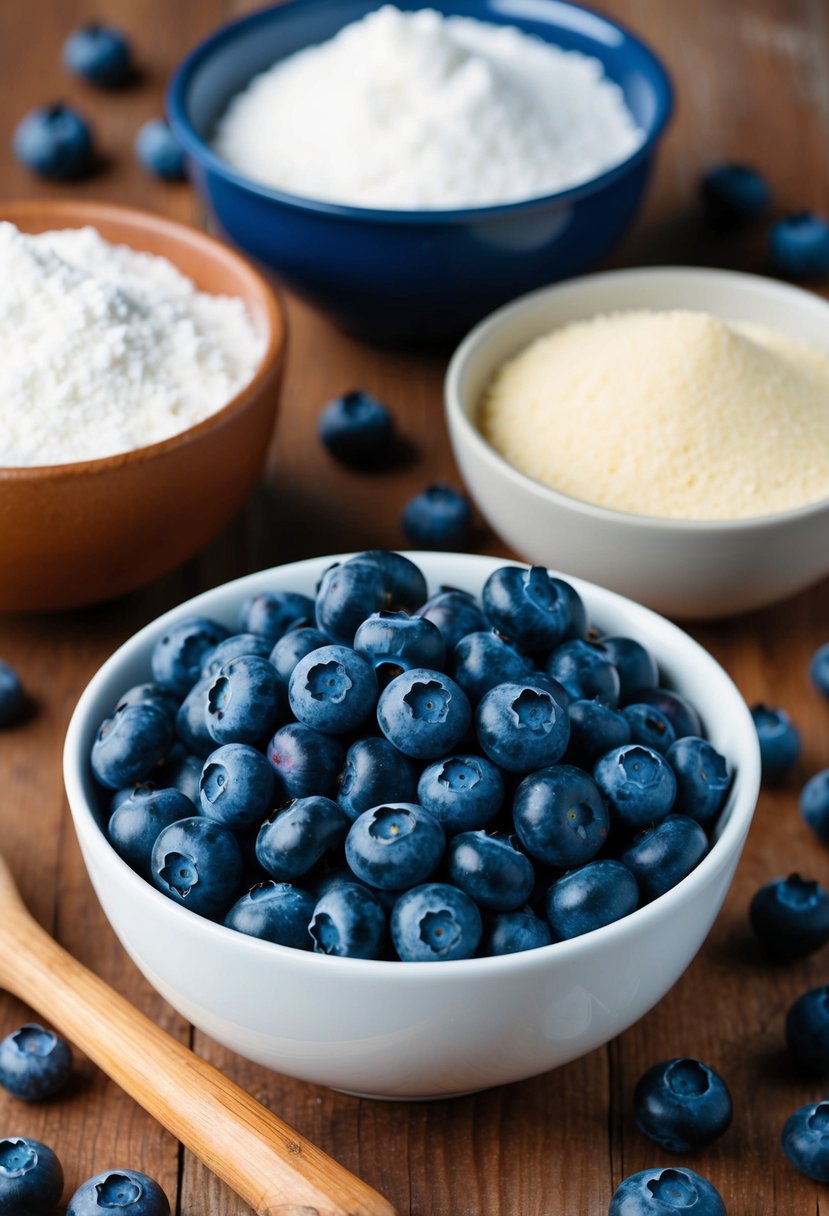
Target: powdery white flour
(106,349)
(414,110)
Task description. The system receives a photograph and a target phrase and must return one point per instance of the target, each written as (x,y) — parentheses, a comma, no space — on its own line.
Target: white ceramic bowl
(392,1029)
(683,568)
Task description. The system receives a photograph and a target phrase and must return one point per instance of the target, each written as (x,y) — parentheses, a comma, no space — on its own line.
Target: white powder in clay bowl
(417,110)
(105,349)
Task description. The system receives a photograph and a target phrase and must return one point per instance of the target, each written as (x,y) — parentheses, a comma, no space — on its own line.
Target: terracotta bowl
(76,534)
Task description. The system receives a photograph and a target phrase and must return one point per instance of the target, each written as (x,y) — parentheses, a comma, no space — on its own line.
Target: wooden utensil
(268,1164)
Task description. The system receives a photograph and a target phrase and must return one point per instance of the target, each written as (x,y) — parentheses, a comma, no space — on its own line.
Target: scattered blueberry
(463,792)
(122,1191)
(159,151)
(779,741)
(819,669)
(594,895)
(805,1140)
(439,517)
(532,608)
(790,917)
(357,429)
(807,1031)
(55,141)
(560,816)
(735,195)
(275,911)
(435,922)
(521,727)
(296,836)
(814,804)
(665,854)
(137,820)
(31,1177)
(236,786)
(197,863)
(34,1063)
(702,778)
(424,713)
(799,246)
(99,53)
(661,1192)
(395,845)
(349,921)
(12,696)
(682,1105)
(638,784)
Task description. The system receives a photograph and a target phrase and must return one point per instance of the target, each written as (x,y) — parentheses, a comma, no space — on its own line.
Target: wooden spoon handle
(268,1164)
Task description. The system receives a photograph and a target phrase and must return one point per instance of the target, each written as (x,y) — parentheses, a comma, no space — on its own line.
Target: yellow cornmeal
(673,414)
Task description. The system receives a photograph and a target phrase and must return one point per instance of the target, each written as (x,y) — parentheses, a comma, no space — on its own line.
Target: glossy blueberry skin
(463,792)
(521,728)
(819,669)
(231,648)
(349,921)
(594,895)
(424,713)
(814,804)
(634,663)
(532,608)
(585,671)
(394,845)
(799,245)
(682,1104)
(135,824)
(293,646)
(178,654)
(648,725)
(779,741)
(163,699)
(435,922)
(236,786)
(594,730)
(560,816)
(129,745)
(275,911)
(637,783)
(99,53)
(295,837)
(121,1191)
(702,776)
(272,613)
(662,856)
(735,195)
(455,613)
(31,1177)
(357,429)
(664,1192)
(371,581)
(158,150)
(197,864)
(34,1063)
(12,696)
(400,641)
(483,659)
(191,719)
(677,709)
(805,1140)
(245,701)
(374,772)
(55,141)
(790,917)
(305,762)
(513,932)
(491,869)
(807,1031)
(333,690)
(439,517)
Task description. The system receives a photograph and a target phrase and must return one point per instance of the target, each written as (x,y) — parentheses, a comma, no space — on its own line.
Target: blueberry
(439,517)
(662,856)
(181,770)
(814,804)
(374,772)
(178,654)
(491,869)
(296,836)
(399,641)
(305,761)
(702,778)
(779,741)
(275,911)
(272,613)
(333,689)
(34,1063)
(163,699)
(230,648)
(55,141)
(682,1105)
(455,613)
(484,659)
(799,246)
(540,679)
(790,917)
(531,607)
(191,720)
(463,792)
(635,665)
(236,786)
(662,1192)
(12,696)
(819,669)
(31,1177)
(197,863)
(159,151)
(638,784)
(560,816)
(245,701)
(357,429)
(735,195)
(512,932)
(805,1140)
(677,709)
(349,921)
(124,1191)
(807,1031)
(135,824)
(424,713)
(585,671)
(435,922)
(99,53)
(128,745)
(372,581)
(293,646)
(394,845)
(648,725)
(595,728)
(521,728)
(594,895)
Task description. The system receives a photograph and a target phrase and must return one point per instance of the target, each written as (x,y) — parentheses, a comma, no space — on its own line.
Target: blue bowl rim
(201,152)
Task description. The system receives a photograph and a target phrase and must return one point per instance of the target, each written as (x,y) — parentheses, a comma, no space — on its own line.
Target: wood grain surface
(752,78)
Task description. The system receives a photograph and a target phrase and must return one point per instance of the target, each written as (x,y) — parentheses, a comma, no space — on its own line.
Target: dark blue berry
(665,854)
(230,648)
(305,762)
(136,822)
(585,671)
(294,645)
(424,713)
(779,741)
(682,1105)
(31,1177)
(374,772)
(394,846)
(129,745)
(799,246)
(179,653)
(99,53)
(34,1063)
(637,783)
(735,195)
(151,694)
(595,729)
(663,1192)
(197,863)
(594,895)
(702,778)
(397,641)
(677,709)
(805,1140)
(236,786)
(807,1031)
(181,770)
(275,911)
(814,804)
(357,429)
(456,613)
(560,816)
(819,669)
(635,664)
(349,921)
(435,922)
(272,613)
(12,696)
(123,1191)
(790,917)
(532,608)
(484,659)
(55,141)
(648,725)
(492,871)
(245,701)
(463,792)
(372,581)
(521,727)
(159,151)
(293,840)
(512,932)
(191,720)
(333,689)
(439,517)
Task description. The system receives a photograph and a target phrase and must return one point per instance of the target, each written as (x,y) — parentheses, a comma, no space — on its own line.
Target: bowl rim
(460,420)
(194,145)
(742,795)
(79,213)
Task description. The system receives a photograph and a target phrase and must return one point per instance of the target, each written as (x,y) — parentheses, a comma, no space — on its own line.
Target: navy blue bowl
(408,275)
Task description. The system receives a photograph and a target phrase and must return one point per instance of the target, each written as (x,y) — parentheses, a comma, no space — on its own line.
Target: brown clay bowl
(77,534)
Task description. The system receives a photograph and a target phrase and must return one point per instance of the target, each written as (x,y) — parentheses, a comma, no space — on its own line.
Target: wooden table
(753,82)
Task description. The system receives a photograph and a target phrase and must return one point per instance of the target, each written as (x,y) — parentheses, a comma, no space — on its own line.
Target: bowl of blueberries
(411,825)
